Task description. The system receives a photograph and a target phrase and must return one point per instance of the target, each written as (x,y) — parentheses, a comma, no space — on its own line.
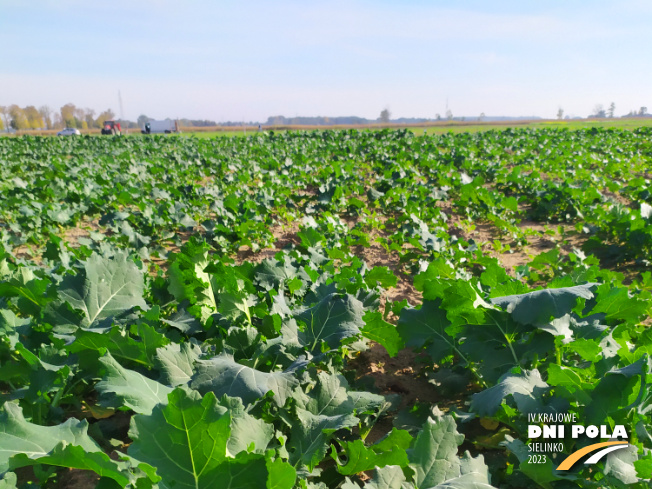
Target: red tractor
(111,128)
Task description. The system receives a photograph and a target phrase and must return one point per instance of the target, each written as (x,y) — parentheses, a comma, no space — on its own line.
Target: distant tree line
(199,123)
(236,123)
(642,112)
(44,117)
(600,112)
(385,118)
(143,119)
(279,120)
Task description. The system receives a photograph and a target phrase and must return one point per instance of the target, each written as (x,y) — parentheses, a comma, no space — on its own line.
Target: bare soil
(285,235)
(398,375)
(541,238)
(78,479)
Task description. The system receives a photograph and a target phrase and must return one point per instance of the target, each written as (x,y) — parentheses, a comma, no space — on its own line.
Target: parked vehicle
(69,131)
(111,128)
(160,127)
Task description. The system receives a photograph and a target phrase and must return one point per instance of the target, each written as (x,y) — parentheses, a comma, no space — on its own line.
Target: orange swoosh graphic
(575,456)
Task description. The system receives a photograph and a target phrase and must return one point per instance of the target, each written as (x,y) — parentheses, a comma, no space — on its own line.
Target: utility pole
(122,112)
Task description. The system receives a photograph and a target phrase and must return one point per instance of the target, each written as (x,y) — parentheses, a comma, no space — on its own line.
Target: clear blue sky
(226,60)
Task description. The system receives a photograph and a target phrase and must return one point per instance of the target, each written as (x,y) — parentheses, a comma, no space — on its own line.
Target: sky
(246,61)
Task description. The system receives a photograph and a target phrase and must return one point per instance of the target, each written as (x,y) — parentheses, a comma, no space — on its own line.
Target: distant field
(429,128)
(438,127)
(632,123)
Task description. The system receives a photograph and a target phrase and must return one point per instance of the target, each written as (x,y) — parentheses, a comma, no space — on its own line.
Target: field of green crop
(316,310)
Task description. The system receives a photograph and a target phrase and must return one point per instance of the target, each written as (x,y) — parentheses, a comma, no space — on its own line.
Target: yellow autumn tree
(18,119)
(107,115)
(68,115)
(34,118)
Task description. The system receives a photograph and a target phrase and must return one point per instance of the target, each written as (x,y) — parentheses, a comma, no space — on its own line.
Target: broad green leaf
(643,467)
(500,343)
(388,477)
(436,274)
(589,350)
(395,438)
(619,465)
(222,375)
(123,387)
(184,322)
(646,210)
(242,341)
(310,435)
(494,274)
(539,307)
(30,290)
(433,456)
(589,327)
(177,362)
(427,326)
(473,468)
(389,451)
(559,327)
(380,331)
(455,294)
(189,281)
(310,237)
(639,367)
(381,276)
(186,441)
(105,288)
(9,481)
(542,474)
(462,303)
(11,325)
(20,437)
(612,394)
(233,305)
(334,318)
(618,389)
(466,481)
(617,304)
(76,457)
(120,344)
(246,471)
(329,397)
(295,285)
(271,273)
(151,339)
(246,430)
(434,459)
(346,485)
(567,377)
(281,475)
(526,388)
(366,402)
